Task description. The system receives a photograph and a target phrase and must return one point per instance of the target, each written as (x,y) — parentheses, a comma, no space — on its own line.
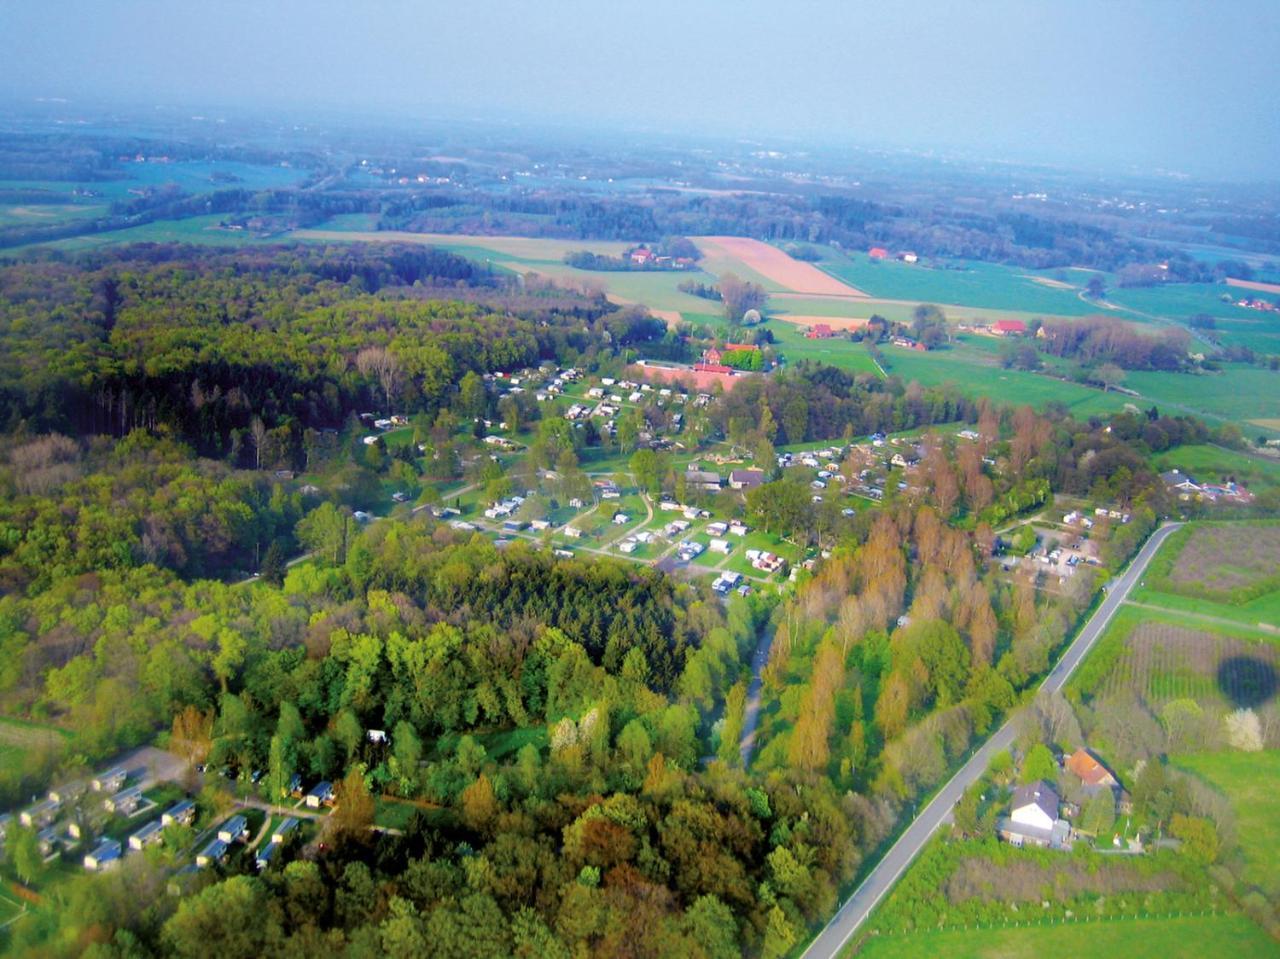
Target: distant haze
(1110,84)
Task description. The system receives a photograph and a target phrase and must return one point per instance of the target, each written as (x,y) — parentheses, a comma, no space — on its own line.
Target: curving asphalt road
(880,880)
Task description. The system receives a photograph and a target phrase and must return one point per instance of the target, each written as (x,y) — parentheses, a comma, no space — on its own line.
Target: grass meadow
(1193,937)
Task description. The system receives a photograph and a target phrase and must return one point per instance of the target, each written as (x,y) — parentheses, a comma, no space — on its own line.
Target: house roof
(1091,772)
(1038,793)
(746,476)
(878,251)
(1009,326)
(1176,478)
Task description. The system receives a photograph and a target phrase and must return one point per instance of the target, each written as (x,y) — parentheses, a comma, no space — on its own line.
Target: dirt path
(751,711)
(1265,628)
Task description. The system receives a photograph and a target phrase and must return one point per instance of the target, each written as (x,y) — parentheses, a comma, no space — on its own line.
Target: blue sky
(1117,85)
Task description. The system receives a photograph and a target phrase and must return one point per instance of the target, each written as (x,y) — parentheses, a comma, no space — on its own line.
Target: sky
(1117,85)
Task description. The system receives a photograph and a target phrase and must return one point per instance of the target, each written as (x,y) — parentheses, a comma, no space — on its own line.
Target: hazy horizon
(1140,86)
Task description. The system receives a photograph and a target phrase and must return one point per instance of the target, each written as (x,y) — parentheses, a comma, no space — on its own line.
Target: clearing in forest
(775,265)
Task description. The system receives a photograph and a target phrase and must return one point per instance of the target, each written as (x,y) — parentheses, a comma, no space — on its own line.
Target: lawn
(1249,781)
(1200,937)
(18,737)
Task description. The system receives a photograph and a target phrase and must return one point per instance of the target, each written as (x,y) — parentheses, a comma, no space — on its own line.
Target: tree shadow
(1247,681)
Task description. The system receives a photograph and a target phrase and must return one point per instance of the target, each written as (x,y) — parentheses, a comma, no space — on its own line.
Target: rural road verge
(855,910)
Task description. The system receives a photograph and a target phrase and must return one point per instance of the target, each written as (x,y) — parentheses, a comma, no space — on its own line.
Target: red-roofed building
(878,253)
(1009,328)
(641,256)
(1091,772)
(712,356)
(712,368)
(820,331)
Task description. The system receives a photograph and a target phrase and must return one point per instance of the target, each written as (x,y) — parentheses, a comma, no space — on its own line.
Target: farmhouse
(1009,328)
(746,479)
(908,257)
(1092,773)
(878,253)
(819,331)
(1033,818)
(703,479)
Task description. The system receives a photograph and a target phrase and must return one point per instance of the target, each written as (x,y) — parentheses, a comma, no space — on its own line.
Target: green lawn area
(838,351)
(18,737)
(1201,937)
(1249,781)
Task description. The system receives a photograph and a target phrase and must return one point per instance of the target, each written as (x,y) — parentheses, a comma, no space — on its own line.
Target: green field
(1214,463)
(963,283)
(1241,394)
(1201,937)
(974,371)
(1249,781)
(197,229)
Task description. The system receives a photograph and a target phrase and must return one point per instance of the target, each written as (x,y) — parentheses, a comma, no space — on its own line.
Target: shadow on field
(1246,681)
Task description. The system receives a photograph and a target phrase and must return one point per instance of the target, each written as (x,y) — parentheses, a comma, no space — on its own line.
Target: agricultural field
(963,283)
(782,271)
(1249,781)
(1224,573)
(1161,661)
(1228,559)
(1178,937)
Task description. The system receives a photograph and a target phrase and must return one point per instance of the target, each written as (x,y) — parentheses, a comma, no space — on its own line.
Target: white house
(1033,818)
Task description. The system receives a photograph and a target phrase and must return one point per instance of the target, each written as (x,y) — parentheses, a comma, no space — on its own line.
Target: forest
(562,732)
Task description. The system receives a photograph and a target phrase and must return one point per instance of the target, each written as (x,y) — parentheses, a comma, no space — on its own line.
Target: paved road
(881,879)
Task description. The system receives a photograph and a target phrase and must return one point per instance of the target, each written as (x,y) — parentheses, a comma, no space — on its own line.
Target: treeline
(207,344)
(1100,339)
(934,230)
